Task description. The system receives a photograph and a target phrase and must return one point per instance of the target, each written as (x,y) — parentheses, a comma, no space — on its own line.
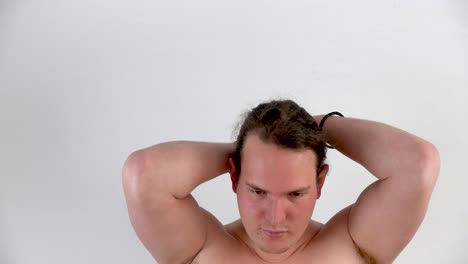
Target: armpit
(368,259)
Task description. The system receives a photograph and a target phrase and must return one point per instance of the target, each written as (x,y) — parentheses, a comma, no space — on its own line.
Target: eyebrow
(302,189)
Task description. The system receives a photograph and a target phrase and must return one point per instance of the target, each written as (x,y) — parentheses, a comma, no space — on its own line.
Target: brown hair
(285,124)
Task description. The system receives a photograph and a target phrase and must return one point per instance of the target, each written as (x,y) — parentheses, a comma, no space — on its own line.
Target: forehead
(268,164)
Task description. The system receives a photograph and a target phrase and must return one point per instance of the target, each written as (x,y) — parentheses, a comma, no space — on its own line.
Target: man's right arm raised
(157,183)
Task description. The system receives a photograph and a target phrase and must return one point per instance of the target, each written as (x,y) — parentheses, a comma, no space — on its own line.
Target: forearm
(382,149)
(178,167)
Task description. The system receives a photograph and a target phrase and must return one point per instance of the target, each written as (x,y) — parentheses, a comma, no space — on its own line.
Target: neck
(269,257)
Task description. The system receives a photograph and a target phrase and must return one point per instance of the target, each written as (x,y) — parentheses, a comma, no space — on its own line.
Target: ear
(322,174)
(233,173)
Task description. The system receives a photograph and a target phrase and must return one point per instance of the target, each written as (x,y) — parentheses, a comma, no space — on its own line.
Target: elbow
(134,164)
(429,164)
(136,181)
(131,172)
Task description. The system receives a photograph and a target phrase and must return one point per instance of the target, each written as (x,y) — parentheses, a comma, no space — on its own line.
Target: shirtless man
(277,170)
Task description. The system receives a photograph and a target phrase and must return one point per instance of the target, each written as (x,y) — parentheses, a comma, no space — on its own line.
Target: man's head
(277,172)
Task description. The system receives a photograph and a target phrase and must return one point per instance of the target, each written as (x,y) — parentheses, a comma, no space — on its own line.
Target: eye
(296,194)
(257,192)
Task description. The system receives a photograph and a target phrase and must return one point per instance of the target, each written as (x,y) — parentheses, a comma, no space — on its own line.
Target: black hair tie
(322,122)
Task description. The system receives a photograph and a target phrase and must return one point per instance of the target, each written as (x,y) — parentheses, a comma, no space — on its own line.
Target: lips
(275,234)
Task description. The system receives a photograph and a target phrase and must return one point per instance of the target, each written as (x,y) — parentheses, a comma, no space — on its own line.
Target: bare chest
(323,252)
(335,258)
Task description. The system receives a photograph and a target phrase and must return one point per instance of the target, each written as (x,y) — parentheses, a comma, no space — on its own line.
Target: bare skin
(276,193)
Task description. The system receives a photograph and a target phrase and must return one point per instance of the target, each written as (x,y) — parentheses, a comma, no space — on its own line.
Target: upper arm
(172,230)
(388,212)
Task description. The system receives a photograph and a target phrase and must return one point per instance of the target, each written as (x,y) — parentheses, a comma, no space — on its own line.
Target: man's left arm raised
(389,211)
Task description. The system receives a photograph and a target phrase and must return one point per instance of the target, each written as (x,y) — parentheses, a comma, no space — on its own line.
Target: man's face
(276,193)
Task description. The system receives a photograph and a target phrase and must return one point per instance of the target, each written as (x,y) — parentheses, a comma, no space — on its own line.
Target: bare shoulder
(336,226)
(216,230)
(334,237)
(221,242)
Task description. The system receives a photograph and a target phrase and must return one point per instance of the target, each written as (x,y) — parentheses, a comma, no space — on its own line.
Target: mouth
(274,234)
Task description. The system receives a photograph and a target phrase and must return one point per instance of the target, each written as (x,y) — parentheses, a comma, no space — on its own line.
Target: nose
(276,212)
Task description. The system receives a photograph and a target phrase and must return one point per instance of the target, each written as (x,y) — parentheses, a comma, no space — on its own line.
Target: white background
(85,83)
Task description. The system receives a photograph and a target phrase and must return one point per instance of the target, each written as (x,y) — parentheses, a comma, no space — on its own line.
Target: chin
(275,246)
(274,249)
